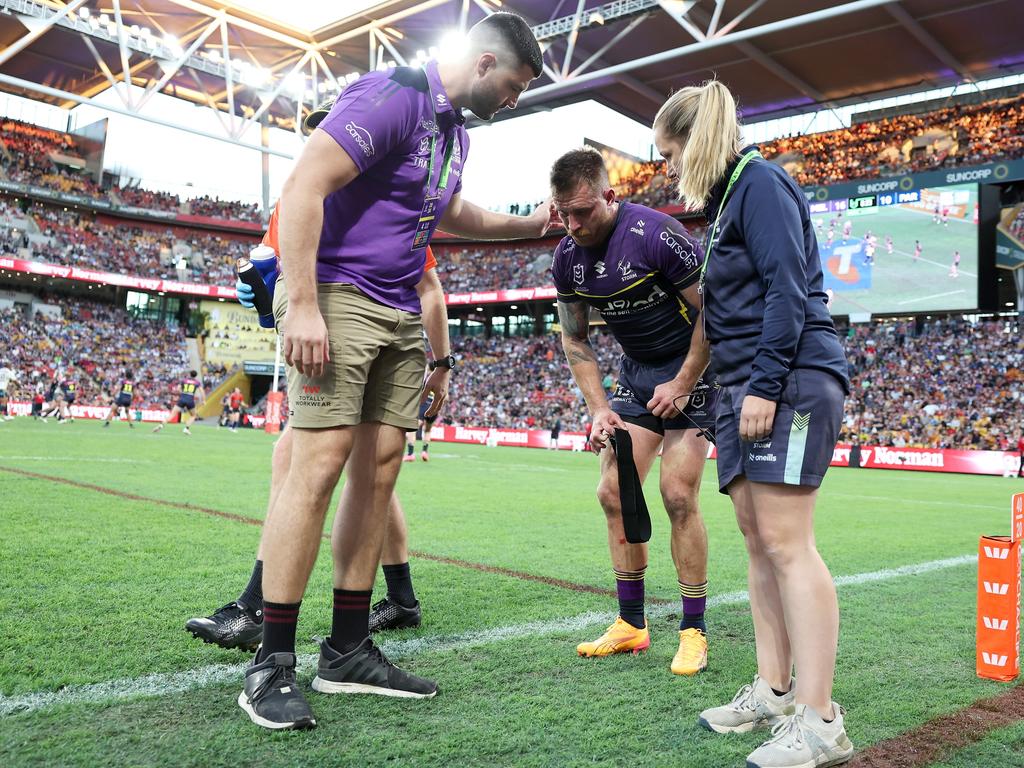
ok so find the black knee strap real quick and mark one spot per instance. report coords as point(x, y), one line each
point(636, 519)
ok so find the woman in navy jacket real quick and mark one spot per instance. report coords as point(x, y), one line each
point(784, 377)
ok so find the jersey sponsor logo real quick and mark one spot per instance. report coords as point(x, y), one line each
point(618, 306)
point(429, 125)
point(769, 457)
point(361, 136)
point(442, 101)
point(600, 269)
point(638, 228)
point(680, 246)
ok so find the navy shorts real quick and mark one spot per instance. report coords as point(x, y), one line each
point(69, 399)
point(123, 401)
point(187, 403)
point(804, 433)
point(635, 388)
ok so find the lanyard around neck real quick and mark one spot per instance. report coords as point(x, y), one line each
point(709, 244)
point(446, 163)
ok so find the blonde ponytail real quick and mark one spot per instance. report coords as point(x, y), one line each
point(704, 119)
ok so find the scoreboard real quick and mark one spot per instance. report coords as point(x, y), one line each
point(864, 204)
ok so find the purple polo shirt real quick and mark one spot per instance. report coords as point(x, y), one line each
point(384, 121)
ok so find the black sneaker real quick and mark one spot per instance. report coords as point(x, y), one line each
point(232, 626)
point(272, 699)
point(366, 670)
point(387, 614)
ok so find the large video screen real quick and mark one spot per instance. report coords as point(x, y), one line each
point(901, 251)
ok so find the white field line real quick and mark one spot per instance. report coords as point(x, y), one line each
point(925, 502)
point(91, 459)
point(933, 296)
point(181, 682)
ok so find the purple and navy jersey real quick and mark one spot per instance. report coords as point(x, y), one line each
point(127, 387)
point(69, 387)
point(377, 227)
point(634, 281)
point(188, 387)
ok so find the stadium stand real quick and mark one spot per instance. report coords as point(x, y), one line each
point(95, 343)
point(945, 383)
point(948, 384)
point(77, 238)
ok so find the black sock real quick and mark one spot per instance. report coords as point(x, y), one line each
point(399, 582)
point(252, 595)
point(351, 622)
point(426, 447)
point(410, 448)
point(279, 623)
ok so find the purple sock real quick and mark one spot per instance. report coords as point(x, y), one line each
point(695, 598)
point(629, 586)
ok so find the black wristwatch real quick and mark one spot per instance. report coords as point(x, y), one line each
point(443, 362)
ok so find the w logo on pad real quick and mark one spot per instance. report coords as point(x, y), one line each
point(993, 660)
point(997, 553)
point(996, 589)
point(995, 623)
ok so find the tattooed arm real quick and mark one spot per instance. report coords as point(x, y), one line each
point(574, 317)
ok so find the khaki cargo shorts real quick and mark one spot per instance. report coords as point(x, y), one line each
point(377, 363)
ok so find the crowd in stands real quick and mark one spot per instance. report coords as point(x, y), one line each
point(93, 344)
point(76, 238)
point(27, 155)
point(519, 382)
point(958, 135)
point(947, 384)
point(942, 383)
point(493, 267)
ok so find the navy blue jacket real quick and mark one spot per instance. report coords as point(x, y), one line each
point(764, 305)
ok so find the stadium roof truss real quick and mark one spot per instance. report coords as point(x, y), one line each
point(779, 56)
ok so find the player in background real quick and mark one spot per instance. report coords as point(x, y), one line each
point(69, 387)
point(650, 302)
point(236, 402)
point(123, 400)
point(8, 382)
point(422, 433)
point(847, 228)
point(190, 396)
point(945, 217)
point(917, 250)
point(831, 237)
point(954, 268)
point(556, 431)
point(935, 214)
point(38, 401)
point(888, 244)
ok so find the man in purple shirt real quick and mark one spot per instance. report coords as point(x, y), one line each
point(639, 269)
point(378, 176)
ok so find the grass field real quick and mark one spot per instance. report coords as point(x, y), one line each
point(896, 282)
point(96, 669)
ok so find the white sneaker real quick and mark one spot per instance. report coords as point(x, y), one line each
point(755, 706)
point(804, 740)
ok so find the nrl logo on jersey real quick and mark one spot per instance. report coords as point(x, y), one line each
point(638, 228)
point(577, 274)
